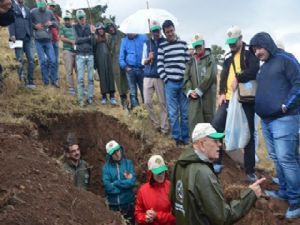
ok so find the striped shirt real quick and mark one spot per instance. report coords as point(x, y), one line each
point(171, 60)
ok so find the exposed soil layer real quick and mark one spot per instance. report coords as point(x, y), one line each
point(35, 190)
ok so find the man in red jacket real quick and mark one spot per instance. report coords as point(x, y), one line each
point(152, 203)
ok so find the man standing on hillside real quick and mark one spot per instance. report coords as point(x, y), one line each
point(130, 59)
point(43, 20)
point(118, 73)
point(240, 66)
point(200, 84)
point(67, 36)
point(22, 30)
point(171, 62)
point(277, 103)
point(152, 81)
point(84, 34)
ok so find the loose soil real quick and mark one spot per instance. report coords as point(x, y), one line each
point(35, 189)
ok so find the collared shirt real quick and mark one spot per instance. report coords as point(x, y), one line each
point(22, 8)
point(202, 156)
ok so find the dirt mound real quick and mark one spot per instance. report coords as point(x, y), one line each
point(35, 190)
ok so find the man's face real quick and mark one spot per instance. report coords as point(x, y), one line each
point(82, 20)
point(170, 33)
point(237, 46)
point(111, 30)
point(67, 22)
point(159, 178)
point(131, 36)
point(74, 153)
point(5, 5)
point(209, 147)
point(200, 49)
point(117, 156)
point(156, 34)
point(51, 7)
point(261, 53)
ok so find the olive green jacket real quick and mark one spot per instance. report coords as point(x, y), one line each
point(119, 75)
point(202, 77)
point(197, 197)
point(81, 173)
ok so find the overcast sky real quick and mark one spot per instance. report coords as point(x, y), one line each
point(212, 18)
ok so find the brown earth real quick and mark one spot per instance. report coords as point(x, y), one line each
point(35, 190)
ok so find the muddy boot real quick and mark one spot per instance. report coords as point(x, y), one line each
point(124, 102)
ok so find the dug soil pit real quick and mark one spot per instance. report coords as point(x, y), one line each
point(35, 189)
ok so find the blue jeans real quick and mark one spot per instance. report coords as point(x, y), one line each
point(281, 137)
point(46, 54)
point(27, 45)
point(81, 62)
point(135, 77)
point(56, 53)
point(177, 104)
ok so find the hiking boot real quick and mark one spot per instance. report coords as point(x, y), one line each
point(90, 101)
point(275, 194)
point(293, 212)
point(55, 84)
point(104, 101)
point(113, 101)
point(31, 86)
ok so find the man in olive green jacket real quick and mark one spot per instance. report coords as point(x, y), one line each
point(200, 84)
point(196, 194)
point(119, 74)
point(78, 168)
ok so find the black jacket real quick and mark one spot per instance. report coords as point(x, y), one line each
point(83, 39)
point(249, 66)
point(22, 27)
point(8, 17)
point(278, 81)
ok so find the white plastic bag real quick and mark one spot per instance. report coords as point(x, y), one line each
point(237, 134)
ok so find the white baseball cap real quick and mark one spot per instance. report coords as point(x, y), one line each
point(233, 34)
point(157, 164)
point(202, 130)
point(112, 147)
point(197, 40)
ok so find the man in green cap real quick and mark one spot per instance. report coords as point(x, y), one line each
point(196, 193)
point(200, 84)
point(119, 74)
point(67, 36)
point(240, 66)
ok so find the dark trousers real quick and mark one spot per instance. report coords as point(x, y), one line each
point(127, 210)
point(219, 122)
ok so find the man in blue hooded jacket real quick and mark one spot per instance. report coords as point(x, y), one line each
point(118, 177)
point(276, 102)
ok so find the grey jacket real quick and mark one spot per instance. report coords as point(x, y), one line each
point(43, 17)
point(22, 27)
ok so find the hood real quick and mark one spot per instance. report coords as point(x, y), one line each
point(188, 157)
point(264, 40)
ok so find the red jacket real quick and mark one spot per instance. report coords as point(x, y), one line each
point(154, 197)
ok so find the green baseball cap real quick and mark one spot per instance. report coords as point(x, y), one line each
point(156, 164)
point(233, 33)
point(112, 147)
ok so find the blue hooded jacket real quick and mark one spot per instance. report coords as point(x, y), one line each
point(118, 189)
point(278, 80)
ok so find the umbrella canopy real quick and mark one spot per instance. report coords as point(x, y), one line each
point(82, 4)
point(138, 22)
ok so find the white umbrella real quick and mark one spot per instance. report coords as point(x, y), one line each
point(138, 22)
point(82, 4)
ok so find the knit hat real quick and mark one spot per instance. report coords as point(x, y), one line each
point(112, 147)
point(233, 34)
point(156, 164)
point(67, 16)
point(202, 130)
point(80, 13)
point(197, 40)
point(154, 25)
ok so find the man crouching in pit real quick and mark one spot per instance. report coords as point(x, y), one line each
point(78, 168)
